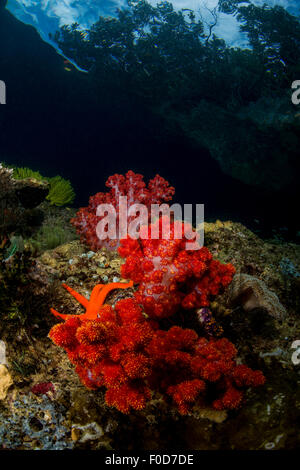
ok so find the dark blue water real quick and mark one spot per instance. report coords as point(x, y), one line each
point(56, 123)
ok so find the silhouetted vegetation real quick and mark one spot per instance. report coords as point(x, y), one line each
point(224, 98)
point(166, 55)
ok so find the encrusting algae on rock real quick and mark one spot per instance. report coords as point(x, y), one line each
point(201, 428)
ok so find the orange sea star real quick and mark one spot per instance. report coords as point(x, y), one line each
point(96, 300)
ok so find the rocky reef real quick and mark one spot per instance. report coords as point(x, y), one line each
point(18, 198)
point(44, 405)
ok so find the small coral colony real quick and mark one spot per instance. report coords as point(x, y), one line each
point(129, 348)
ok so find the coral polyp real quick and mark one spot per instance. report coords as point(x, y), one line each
point(131, 186)
point(169, 275)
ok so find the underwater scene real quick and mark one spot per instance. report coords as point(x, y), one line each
point(149, 227)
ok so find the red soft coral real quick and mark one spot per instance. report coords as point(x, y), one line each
point(130, 356)
point(130, 185)
point(186, 393)
point(127, 397)
point(169, 275)
point(183, 364)
point(109, 351)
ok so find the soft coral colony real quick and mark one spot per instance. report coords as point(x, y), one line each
point(169, 275)
point(131, 357)
point(125, 350)
point(134, 188)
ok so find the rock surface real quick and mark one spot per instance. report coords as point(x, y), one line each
point(3, 360)
point(251, 293)
point(17, 199)
point(31, 192)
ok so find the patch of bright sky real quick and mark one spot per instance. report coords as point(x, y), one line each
point(48, 15)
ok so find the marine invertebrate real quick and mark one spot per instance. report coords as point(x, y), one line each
point(131, 357)
point(96, 300)
point(107, 350)
point(134, 188)
point(61, 191)
point(124, 350)
point(189, 366)
point(169, 275)
point(21, 173)
point(251, 293)
point(209, 323)
point(42, 388)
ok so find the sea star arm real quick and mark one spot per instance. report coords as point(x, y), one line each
point(95, 293)
point(101, 295)
point(81, 299)
point(94, 305)
point(98, 297)
point(60, 315)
